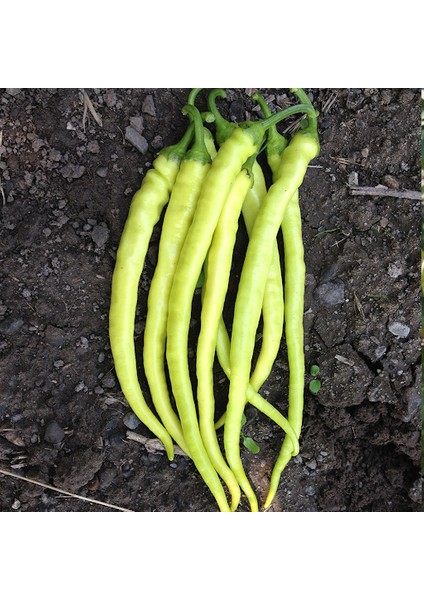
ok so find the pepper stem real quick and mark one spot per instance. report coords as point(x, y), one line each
point(258, 128)
point(178, 151)
point(198, 151)
point(223, 127)
point(277, 143)
point(193, 95)
point(312, 118)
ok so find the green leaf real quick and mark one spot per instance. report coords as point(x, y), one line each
point(243, 420)
point(251, 445)
point(315, 386)
point(314, 370)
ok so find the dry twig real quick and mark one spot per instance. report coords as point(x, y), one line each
point(381, 190)
point(89, 106)
point(60, 491)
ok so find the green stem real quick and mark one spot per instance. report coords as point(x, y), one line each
point(312, 118)
point(277, 143)
point(258, 128)
point(193, 95)
point(198, 150)
point(178, 151)
point(223, 127)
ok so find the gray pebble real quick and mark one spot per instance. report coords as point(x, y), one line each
point(80, 387)
point(137, 123)
point(71, 171)
point(311, 464)
point(110, 98)
point(398, 329)
point(157, 142)
point(54, 433)
point(108, 381)
point(93, 147)
point(330, 293)
point(13, 91)
point(100, 235)
point(11, 326)
point(102, 171)
point(131, 421)
point(138, 141)
point(310, 490)
point(411, 405)
point(394, 271)
point(149, 106)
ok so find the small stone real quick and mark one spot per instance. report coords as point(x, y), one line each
point(93, 147)
point(330, 293)
point(102, 171)
point(110, 98)
point(394, 271)
point(400, 330)
point(54, 433)
point(13, 91)
point(390, 182)
point(37, 144)
point(11, 326)
point(353, 178)
point(58, 363)
point(157, 142)
point(55, 155)
point(71, 171)
point(16, 504)
point(137, 123)
point(131, 421)
point(108, 381)
point(310, 490)
point(80, 386)
point(149, 106)
point(100, 235)
point(311, 464)
point(135, 139)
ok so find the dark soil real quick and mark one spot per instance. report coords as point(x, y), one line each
point(66, 183)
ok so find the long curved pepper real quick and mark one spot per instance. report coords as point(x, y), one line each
point(177, 220)
point(145, 210)
point(294, 267)
point(303, 147)
point(217, 273)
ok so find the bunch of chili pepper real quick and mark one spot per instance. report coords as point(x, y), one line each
point(207, 182)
